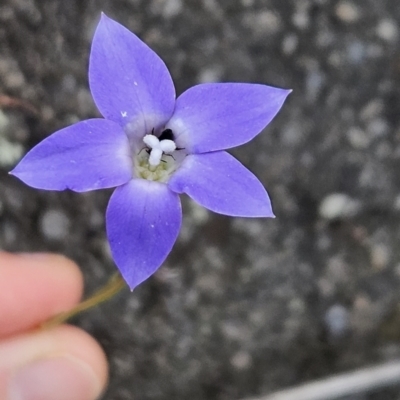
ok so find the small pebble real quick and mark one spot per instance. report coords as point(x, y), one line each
point(337, 320)
point(54, 225)
point(10, 153)
point(347, 12)
point(172, 8)
point(387, 30)
point(338, 205)
point(241, 360)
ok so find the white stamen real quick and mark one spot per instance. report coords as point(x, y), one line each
point(158, 148)
point(151, 141)
point(167, 146)
point(155, 157)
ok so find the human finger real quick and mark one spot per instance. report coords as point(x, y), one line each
point(35, 287)
point(63, 363)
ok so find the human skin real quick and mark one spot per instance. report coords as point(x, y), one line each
point(56, 364)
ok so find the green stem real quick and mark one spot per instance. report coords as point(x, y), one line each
point(109, 290)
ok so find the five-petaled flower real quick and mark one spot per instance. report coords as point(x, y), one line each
point(153, 147)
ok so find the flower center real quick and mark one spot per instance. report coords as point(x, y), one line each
point(157, 147)
point(160, 157)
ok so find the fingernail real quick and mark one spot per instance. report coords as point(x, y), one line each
point(61, 378)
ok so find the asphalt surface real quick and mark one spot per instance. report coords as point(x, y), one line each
point(241, 307)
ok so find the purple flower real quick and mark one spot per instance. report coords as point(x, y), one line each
point(153, 147)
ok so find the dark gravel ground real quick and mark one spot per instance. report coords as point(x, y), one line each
point(241, 307)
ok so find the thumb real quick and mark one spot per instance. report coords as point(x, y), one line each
point(64, 363)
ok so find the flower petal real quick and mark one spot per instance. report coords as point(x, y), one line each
point(130, 84)
point(218, 116)
point(92, 154)
point(143, 221)
point(222, 184)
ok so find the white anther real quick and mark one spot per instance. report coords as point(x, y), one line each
point(167, 146)
point(158, 148)
point(151, 141)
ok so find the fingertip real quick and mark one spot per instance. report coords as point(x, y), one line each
point(80, 345)
point(35, 287)
point(66, 353)
point(45, 261)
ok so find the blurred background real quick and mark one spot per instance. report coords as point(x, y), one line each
point(242, 307)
